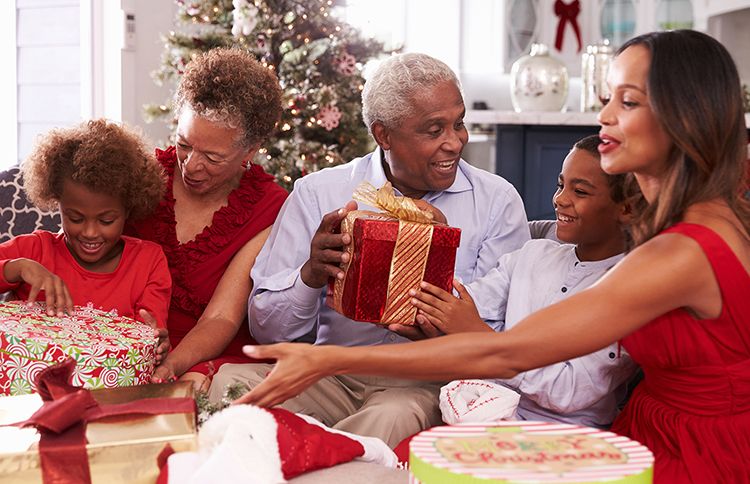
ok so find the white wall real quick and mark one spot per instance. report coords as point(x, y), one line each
point(48, 68)
point(152, 19)
point(732, 29)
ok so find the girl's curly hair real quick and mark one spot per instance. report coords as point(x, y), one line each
point(230, 87)
point(101, 155)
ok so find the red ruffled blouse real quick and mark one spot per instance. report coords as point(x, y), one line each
point(198, 265)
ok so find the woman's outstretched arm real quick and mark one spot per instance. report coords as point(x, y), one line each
point(666, 273)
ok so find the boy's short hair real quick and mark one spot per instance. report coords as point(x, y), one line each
point(103, 156)
point(619, 186)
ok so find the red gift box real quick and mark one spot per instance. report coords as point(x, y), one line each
point(388, 258)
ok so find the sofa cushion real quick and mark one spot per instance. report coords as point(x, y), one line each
point(17, 215)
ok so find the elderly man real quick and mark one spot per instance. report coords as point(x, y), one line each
point(414, 109)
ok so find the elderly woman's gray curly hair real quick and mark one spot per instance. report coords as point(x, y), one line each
point(389, 95)
point(228, 86)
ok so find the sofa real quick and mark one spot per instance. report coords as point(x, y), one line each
point(17, 215)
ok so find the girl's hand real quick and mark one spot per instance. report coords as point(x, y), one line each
point(446, 312)
point(297, 367)
point(163, 347)
point(58, 298)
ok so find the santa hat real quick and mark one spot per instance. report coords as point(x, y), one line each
point(248, 444)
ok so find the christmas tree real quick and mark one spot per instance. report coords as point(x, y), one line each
point(317, 57)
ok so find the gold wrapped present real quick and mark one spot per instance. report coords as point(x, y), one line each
point(120, 448)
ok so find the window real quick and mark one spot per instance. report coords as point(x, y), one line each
point(8, 85)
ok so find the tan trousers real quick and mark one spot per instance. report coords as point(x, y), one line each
point(387, 408)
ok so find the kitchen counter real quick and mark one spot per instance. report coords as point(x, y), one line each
point(549, 118)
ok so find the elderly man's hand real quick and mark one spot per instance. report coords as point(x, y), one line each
point(326, 249)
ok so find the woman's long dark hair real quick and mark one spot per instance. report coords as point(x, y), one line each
point(695, 93)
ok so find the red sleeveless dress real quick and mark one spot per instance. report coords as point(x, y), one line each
point(197, 266)
point(692, 408)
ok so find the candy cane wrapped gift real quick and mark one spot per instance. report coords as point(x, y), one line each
point(391, 252)
point(109, 350)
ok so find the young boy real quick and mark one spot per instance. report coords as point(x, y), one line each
point(591, 209)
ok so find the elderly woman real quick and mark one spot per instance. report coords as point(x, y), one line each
point(218, 208)
point(414, 109)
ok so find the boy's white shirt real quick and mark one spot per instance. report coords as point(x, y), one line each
point(584, 390)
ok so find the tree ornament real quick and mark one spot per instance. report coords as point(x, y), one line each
point(193, 9)
point(245, 17)
point(329, 117)
point(345, 63)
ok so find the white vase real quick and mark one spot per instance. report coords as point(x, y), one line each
point(538, 82)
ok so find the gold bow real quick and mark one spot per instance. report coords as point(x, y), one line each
point(403, 208)
point(410, 253)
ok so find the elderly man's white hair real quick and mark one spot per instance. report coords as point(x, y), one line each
point(388, 96)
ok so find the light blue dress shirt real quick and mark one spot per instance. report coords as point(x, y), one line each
point(486, 208)
point(584, 390)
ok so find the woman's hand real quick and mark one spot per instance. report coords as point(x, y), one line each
point(164, 373)
point(297, 367)
point(58, 298)
point(326, 250)
point(446, 312)
point(199, 380)
point(163, 347)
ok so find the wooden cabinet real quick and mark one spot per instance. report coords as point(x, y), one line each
point(530, 157)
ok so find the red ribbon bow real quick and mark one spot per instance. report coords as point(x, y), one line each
point(567, 13)
point(62, 420)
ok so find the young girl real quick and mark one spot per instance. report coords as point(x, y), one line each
point(592, 209)
point(98, 174)
point(678, 300)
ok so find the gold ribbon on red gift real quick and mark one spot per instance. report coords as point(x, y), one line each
point(62, 419)
point(409, 255)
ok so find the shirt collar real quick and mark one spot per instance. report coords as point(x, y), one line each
point(593, 265)
point(376, 176)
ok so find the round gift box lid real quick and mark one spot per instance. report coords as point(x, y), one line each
point(526, 452)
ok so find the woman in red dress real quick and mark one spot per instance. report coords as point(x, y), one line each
point(679, 301)
point(217, 211)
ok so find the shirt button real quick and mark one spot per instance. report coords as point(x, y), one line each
point(612, 355)
point(564, 289)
